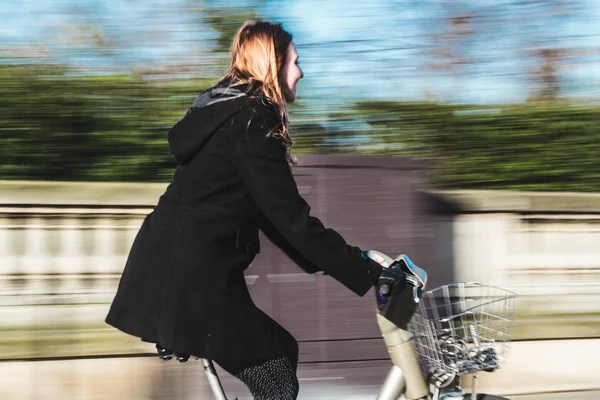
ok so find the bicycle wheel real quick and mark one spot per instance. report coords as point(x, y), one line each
point(484, 396)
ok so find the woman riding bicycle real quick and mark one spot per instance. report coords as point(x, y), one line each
point(183, 286)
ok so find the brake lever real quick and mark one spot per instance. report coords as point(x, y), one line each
point(416, 286)
point(416, 276)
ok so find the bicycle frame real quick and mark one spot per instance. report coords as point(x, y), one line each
point(213, 379)
point(405, 376)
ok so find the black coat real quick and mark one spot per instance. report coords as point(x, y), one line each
point(183, 285)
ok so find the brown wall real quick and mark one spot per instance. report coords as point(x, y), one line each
point(375, 203)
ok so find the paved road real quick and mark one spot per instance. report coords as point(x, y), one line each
point(584, 395)
point(360, 381)
point(149, 378)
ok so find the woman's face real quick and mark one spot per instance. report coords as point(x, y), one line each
point(290, 74)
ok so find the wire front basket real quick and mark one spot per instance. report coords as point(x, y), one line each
point(462, 328)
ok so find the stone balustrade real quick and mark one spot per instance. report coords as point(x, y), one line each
point(64, 245)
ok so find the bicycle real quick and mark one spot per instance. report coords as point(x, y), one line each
point(433, 338)
point(445, 333)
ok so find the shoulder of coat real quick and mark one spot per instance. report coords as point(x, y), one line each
point(262, 106)
point(260, 114)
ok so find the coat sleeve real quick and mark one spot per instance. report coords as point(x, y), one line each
point(274, 236)
point(261, 163)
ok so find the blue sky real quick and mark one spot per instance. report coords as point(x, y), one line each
point(348, 48)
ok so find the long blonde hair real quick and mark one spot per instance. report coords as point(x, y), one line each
point(258, 53)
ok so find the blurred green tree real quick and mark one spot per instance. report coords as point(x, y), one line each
point(112, 127)
point(56, 125)
point(548, 146)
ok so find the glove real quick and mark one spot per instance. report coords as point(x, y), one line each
point(392, 279)
point(391, 275)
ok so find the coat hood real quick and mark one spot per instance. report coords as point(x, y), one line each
point(209, 111)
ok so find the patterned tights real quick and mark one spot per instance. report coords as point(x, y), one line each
point(274, 379)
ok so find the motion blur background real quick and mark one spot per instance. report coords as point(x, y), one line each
point(464, 133)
